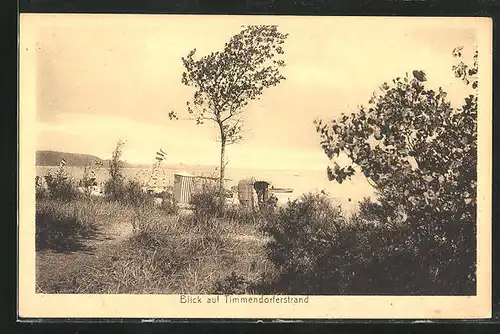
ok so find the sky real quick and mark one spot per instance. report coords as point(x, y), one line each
point(101, 78)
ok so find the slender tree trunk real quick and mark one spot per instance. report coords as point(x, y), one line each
point(222, 168)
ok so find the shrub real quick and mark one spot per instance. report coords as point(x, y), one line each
point(169, 204)
point(421, 255)
point(317, 251)
point(60, 185)
point(206, 202)
point(206, 207)
point(114, 187)
point(118, 189)
point(113, 190)
point(132, 194)
point(307, 248)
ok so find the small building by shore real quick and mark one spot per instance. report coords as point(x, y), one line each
point(183, 187)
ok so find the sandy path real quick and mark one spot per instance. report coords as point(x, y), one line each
point(250, 238)
point(120, 230)
point(111, 234)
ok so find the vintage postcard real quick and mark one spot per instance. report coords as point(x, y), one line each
point(263, 167)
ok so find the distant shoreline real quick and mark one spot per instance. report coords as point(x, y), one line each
point(204, 167)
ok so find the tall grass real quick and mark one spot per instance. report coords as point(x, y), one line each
point(201, 251)
point(66, 225)
point(62, 226)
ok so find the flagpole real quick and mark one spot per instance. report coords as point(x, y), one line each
point(151, 175)
point(160, 156)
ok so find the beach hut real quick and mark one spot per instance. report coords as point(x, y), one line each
point(183, 187)
point(262, 189)
point(246, 193)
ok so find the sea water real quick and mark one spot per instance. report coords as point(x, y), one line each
point(301, 181)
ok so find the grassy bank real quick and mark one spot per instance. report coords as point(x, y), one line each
point(99, 246)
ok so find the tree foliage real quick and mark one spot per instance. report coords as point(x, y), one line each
point(227, 80)
point(467, 73)
point(420, 154)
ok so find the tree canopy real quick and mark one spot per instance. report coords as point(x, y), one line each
point(420, 154)
point(412, 146)
point(227, 80)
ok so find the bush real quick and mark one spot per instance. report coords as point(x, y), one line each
point(60, 185)
point(206, 203)
point(114, 187)
point(169, 204)
point(317, 251)
point(307, 248)
point(117, 188)
point(132, 194)
point(423, 254)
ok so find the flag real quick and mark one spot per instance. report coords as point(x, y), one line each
point(63, 162)
point(160, 155)
point(419, 75)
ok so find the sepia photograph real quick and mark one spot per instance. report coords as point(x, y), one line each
point(237, 166)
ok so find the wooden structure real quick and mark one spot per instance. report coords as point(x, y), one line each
point(247, 195)
point(262, 190)
point(183, 187)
